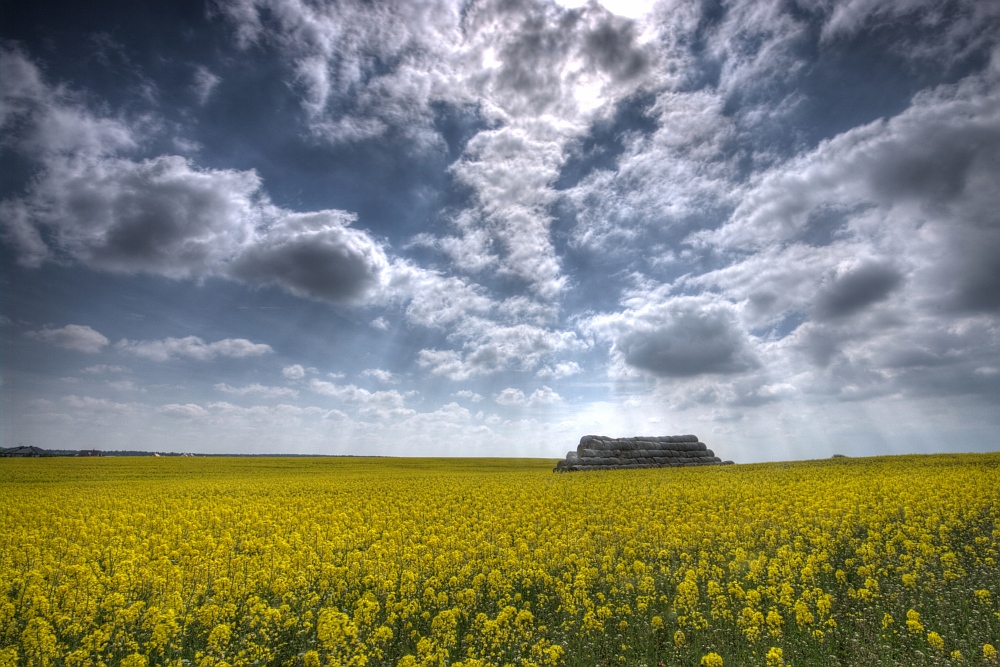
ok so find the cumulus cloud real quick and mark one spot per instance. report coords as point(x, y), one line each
point(538, 74)
point(193, 347)
point(856, 288)
point(436, 300)
point(515, 397)
point(377, 404)
point(294, 372)
point(80, 338)
point(154, 216)
point(315, 255)
point(679, 336)
point(380, 374)
point(257, 389)
point(183, 411)
point(510, 396)
point(165, 215)
point(468, 395)
point(41, 120)
point(560, 370)
point(490, 347)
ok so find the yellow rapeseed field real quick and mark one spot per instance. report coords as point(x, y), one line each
point(236, 561)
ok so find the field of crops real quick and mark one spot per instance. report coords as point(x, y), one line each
point(238, 561)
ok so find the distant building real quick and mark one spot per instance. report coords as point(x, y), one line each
point(22, 452)
point(89, 452)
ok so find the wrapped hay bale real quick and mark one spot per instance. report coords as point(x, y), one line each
point(598, 452)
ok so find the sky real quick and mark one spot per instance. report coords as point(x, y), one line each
point(488, 228)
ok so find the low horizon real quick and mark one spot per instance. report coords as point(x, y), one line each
point(483, 228)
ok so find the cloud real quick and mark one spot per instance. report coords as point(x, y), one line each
point(193, 347)
point(185, 411)
point(126, 385)
point(314, 255)
point(490, 347)
point(378, 404)
point(167, 216)
point(468, 395)
point(681, 336)
point(510, 396)
point(80, 338)
point(561, 370)
point(950, 31)
point(436, 300)
point(515, 397)
point(160, 216)
point(204, 83)
point(40, 120)
point(257, 389)
point(855, 289)
point(98, 369)
point(382, 375)
point(293, 372)
point(538, 75)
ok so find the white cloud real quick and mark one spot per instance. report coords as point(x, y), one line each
point(185, 411)
point(544, 396)
point(510, 396)
point(515, 397)
point(436, 300)
point(491, 347)
point(561, 370)
point(204, 83)
point(257, 389)
point(193, 347)
point(80, 338)
point(98, 369)
point(468, 395)
point(293, 372)
point(380, 374)
point(49, 121)
point(539, 75)
point(379, 404)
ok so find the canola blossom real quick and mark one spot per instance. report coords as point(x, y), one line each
point(227, 562)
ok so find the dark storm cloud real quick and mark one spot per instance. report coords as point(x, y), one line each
point(314, 255)
point(156, 216)
point(678, 337)
point(856, 289)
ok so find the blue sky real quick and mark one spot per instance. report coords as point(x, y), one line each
point(489, 228)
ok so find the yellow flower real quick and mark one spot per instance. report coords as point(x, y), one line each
point(711, 660)
point(679, 638)
point(774, 657)
point(989, 652)
point(913, 622)
point(935, 640)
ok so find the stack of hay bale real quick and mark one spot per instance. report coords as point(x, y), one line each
point(598, 452)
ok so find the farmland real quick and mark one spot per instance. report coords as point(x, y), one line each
point(475, 562)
